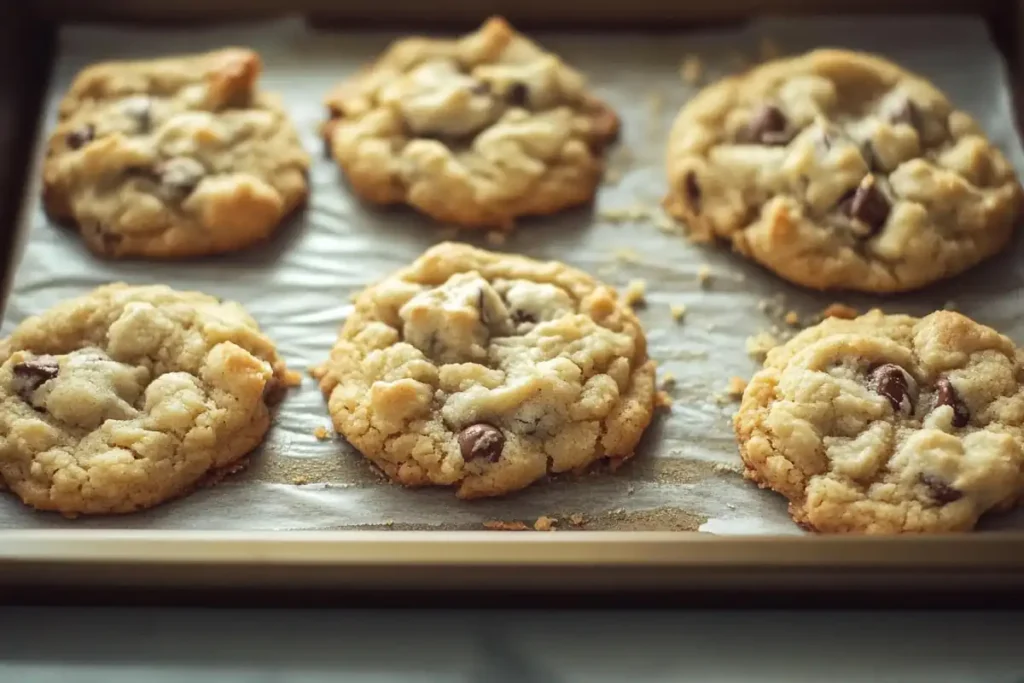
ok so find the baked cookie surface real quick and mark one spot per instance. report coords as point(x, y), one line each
point(128, 396)
point(474, 131)
point(173, 157)
point(841, 170)
point(487, 372)
point(888, 424)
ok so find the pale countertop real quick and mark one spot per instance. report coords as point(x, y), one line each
point(158, 645)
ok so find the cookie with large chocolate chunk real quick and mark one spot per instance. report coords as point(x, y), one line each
point(487, 372)
point(841, 170)
point(128, 396)
point(173, 157)
point(474, 131)
point(888, 424)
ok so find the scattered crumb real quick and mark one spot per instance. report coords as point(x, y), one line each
point(292, 378)
point(635, 292)
point(664, 222)
point(760, 344)
point(624, 214)
point(837, 310)
point(496, 238)
point(736, 387)
point(627, 256)
point(498, 525)
point(668, 380)
point(577, 519)
point(662, 401)
point(544, 523)
point(792, 318)
point(769, 49)
point(630, 490)
point(704, 275)
point(691, 70)
point(950, 306)
point(321, 433)
point(299, 480)
point(389, 522)
point(678, 311)
point(723, 468)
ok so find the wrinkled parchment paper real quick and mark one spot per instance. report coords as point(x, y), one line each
point(685, 475)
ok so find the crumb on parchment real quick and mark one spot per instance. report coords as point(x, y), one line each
point(627, 256)
point(626, 214)
point(736, 387)
point(725, 468)
point(704, 275)
point(292, 378)
point(299, 480)
point(662, 401)
point(668, 381)
point(792, 318)
point(498, 525)
point(545, 523)
point(678, 311)
point(691, 70)
point(635, 293)
point(577, 519)
point(838, 310)
point(760, 344)
point(322, 433)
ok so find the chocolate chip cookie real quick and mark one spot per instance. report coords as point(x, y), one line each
point(173, 157)
point(840, 170)
point(128, 396)
point(487, 372)
point(474, 131)
point(888, 424)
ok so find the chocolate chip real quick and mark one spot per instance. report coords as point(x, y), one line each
point(867, 150)
point(767, 126)
point(869, 204)
point(481, 441)
point(523, 317)
point(517, 95)
point(948, 396)
point(32, 374)
point(693, 191)
point(890, 381)
point(907, 113)
point(77, 139)
point(180, 176)
point(940, 491)
point(480, 306)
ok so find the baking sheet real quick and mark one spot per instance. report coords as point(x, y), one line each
point(298, 286)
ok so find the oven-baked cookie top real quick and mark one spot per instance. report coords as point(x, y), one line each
point(888, 424)
point(173, 157)
point(487, 372)
point(128, 396)
point(474, 131)
point(840, 170)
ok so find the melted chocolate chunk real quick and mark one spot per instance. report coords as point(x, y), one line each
point(518, 95)
point(32, 374)
point(869, 205)
point(693, 192)
point(77, 139)
point(890, 381)
point(948, 396)
point(768, 126)
point(521, 317)
point(180, 176)
point(141, 110)
point(481, 441)
point(940, 491)
point(907, 113)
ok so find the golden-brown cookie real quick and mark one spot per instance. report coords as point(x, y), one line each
point(841, 170)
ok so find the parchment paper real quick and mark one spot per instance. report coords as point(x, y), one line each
point(298, 286)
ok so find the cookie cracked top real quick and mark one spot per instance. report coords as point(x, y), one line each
point(488, 371)
point(128, 396)
point(888, 423)
point(840, 170)
point(173, 157)
point(474, 131)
